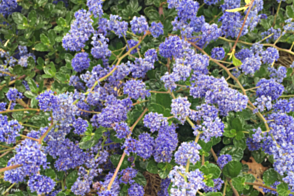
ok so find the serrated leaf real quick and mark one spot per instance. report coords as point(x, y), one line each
point(270, 176)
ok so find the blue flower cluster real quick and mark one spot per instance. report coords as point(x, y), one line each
point(223, 160)
point(80, 31)
point(187, 151)
point(181, 186)
point(13, 94)
point(80, 62)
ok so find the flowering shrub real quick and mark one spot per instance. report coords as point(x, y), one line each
point(95, 93)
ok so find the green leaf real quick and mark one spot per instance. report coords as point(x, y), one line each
point(151, 13)
point(282, 189)
point(61, 77)
point(154, 107)
point(41, 47)
point(68, 57)
point(61, 194)
point(71, 178)
point(32, 17)
point(236, 124)
point(163, 99)
point(152, 166)
point(209, 183)
point(30, 95)
point(205, 146)
point(232, 169)
point(44, 39)
point(32, 85)
point(211, 169)
point(290, 11)
point(140, 179)
point(50, 173)
point(115, 159)
point(235, 152)
point(230, 133)
point(239, 183)
point(270, 176)
point(61, 22)
point(18, 17)
point(41, 3)
point(214, 194)
point(94, 139)
point(236, 61)
point(51, 36)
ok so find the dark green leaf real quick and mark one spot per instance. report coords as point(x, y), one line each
point(18, 17)
point(232, 169)
point(270, 176)
point(239, 183)
point(154, 107)
point(50, 173)
point(71, 178)
point(211, 169)
point(205, 146)
point(140, 179)
point(32, 17)
point(163, 99)
point(290, 11)
point(152, 166)
point(235, 152)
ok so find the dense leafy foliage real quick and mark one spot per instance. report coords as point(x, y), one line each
point(96, 93)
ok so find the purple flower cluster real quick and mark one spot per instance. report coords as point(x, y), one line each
point(41, 184)
point(95, 7)
point(263, 103)
point(218, 53)
point(132, 43)
point(7, 7)
point(9, 130)
point(218, 183)
point(223, 160)
point(80, 62)
point(28, 154)
point(190, 185)
point(145, 146)
point(250, 65)
point(284, 106)
point(187, 151)
point(165, 143)
point(80, 126)
point(13, 94)
point(269, 88)
point(100, 48)
point(139, 24)
point(180, 108)
point(122, 130)
point(154, 121)
point(217, 91)
point(80, 31)
point(156, 29)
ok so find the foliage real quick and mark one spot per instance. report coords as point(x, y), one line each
point(95, 93)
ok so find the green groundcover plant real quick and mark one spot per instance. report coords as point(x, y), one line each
point(95, 93)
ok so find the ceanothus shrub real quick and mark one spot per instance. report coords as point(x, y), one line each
point(183, 90)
